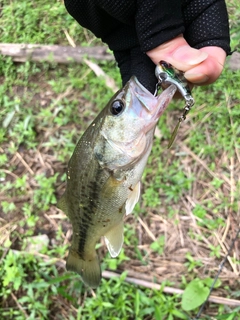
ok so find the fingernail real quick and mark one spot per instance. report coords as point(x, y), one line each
point(196, 77)
point(189, 55)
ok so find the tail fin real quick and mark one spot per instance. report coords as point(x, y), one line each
point(89, 270)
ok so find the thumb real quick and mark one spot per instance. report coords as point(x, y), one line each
point(178, 53)
point(201, 66)
point(183, 57)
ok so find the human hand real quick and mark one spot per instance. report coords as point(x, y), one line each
point(162, 30)
point(201, 67)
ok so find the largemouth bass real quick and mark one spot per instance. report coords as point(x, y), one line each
point(104, 172)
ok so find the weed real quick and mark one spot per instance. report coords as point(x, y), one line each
point(192, 263)
point(158, 246)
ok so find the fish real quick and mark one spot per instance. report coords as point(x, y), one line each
point(104, 173)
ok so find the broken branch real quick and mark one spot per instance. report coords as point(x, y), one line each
point(53, 53)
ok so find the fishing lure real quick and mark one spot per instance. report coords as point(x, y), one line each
point(167, 74)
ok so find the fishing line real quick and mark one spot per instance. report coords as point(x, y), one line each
point(217, 275)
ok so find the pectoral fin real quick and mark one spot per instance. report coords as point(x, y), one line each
point(133, 199)
point(114, 240)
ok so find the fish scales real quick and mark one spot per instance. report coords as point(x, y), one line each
point(104, 172)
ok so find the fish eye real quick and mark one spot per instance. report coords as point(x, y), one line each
point(117, 107)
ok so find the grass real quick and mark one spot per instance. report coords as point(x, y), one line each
point(186, 219)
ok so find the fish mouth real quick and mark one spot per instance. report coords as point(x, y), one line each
point(153, 106)
point(141, 86)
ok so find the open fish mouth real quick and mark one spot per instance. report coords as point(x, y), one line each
point(152, 106)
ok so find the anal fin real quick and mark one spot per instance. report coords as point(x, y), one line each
point(114, 240)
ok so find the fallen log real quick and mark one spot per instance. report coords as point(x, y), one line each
point(21, 52)
point(53, 53)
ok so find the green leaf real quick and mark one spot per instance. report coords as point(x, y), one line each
point(7, 243)
point(137, 302)
point(227, 316)
point(157, 313)
point(17, 282)
point(194, 295)
point(209, 281)
point(179, 314)
point(107, 304)
point(8, 119)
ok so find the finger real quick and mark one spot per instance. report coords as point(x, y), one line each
point(210, 69)
point(178, 53)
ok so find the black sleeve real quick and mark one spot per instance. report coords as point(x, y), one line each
point(158, 22)
point(124, 24)
point(112, 21)
point(206, 24)
point(132, 27)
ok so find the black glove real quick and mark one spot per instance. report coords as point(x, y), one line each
point(132, 27)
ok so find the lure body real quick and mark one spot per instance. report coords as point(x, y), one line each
point(167, 74)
